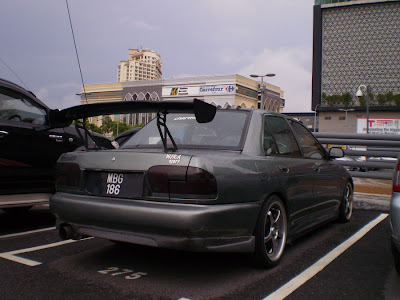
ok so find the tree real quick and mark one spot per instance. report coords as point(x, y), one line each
point(389, 97)
point(107, 125)
point(362, 100)
point(381, 98)
point(120, 128)
point(347, 98)
point(397, 99)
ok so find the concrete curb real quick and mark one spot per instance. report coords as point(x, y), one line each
point(372, 201)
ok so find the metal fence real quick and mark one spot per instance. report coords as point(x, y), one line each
point(366, 155)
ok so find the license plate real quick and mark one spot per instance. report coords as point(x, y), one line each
point(113, 184)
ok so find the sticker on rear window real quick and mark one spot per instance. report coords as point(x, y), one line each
point(184, 118)
point(173, 159)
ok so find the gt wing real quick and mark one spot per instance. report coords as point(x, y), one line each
point(203, 111)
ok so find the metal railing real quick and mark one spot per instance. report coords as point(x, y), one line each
point(366, 155)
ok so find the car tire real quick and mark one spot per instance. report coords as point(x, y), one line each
point(270, 233)
point(347, 204)
point(396, 258)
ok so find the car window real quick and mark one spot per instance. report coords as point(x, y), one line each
point(16, 107)
point(226, 130)
point(309, 144)
point(269, 143)
point(282, 136)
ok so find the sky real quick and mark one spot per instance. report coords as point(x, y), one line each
point(202, 37)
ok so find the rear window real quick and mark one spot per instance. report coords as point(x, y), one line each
point(225, 131)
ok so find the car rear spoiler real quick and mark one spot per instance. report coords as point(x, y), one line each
point(203, 111)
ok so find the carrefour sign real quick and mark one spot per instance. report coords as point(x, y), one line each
point(217, 89)
point(198, 90)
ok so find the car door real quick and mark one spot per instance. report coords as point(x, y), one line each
point(28, 150)
point(328, 181)
point(295, 174)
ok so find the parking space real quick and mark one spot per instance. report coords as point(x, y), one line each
point(96, 267)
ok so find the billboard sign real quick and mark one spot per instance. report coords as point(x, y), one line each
point(379, 126)
point(198, 90)
point(217, 89)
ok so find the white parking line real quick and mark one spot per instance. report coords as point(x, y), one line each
point(12, 254)
point(307, 274)
point(26, 232)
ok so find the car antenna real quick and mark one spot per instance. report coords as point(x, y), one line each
point(87, 133)
point(16, 75)
point(76, 51)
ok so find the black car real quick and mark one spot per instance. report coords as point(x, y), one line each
point(30, 144)
point(126, 135)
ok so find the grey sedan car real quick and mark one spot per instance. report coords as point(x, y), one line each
point(237, 180)
point(395, 217)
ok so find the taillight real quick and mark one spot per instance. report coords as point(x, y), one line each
point(179, 180)
point(68, 175)
point(396, 179)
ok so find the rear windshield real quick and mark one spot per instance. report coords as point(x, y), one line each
point(225, 131)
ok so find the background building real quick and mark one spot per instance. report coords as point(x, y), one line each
point(103, 92)
point(355, 43)
point(222, 90)
point(141, 65)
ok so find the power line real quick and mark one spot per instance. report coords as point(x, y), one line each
point(14, 74)
point(76, 51)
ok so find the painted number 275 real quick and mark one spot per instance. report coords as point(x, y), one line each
point(115, 271)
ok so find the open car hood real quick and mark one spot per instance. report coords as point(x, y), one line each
point(203, 111)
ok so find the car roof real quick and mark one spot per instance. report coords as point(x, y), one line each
point(13, 86)
point(256, 110)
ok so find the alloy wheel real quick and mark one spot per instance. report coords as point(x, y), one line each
point(348, 201)
point(275, 231)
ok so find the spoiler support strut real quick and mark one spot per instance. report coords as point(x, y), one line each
point(164, 131)
point(87, 134)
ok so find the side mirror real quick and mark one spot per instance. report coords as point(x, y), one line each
point(336, 152)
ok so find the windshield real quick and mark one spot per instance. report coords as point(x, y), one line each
point(18, 107)
point(225, 131)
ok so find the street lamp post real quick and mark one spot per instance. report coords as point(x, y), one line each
point(315, 116)
point(262, 86)
point(359, 94)
point(346, 110)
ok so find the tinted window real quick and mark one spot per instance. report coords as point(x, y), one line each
point(18, 108)
point(226, 130)
point(269, 143)
point(282, 135)
point(310, 146)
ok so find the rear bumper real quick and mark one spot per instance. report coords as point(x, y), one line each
point(217, 228)
point(20, 200)
point(395, 219)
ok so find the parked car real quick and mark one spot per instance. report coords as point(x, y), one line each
point(241, 181)
point(351, 160)
point(395, 217)
point(126, 135)
point(30, 144)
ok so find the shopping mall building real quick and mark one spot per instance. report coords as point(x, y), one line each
point(230, 90)
point(356, 45)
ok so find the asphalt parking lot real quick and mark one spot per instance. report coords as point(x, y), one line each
point(336, 261)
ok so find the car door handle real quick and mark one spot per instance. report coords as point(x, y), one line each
point(3, 134)
point(284, 169)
